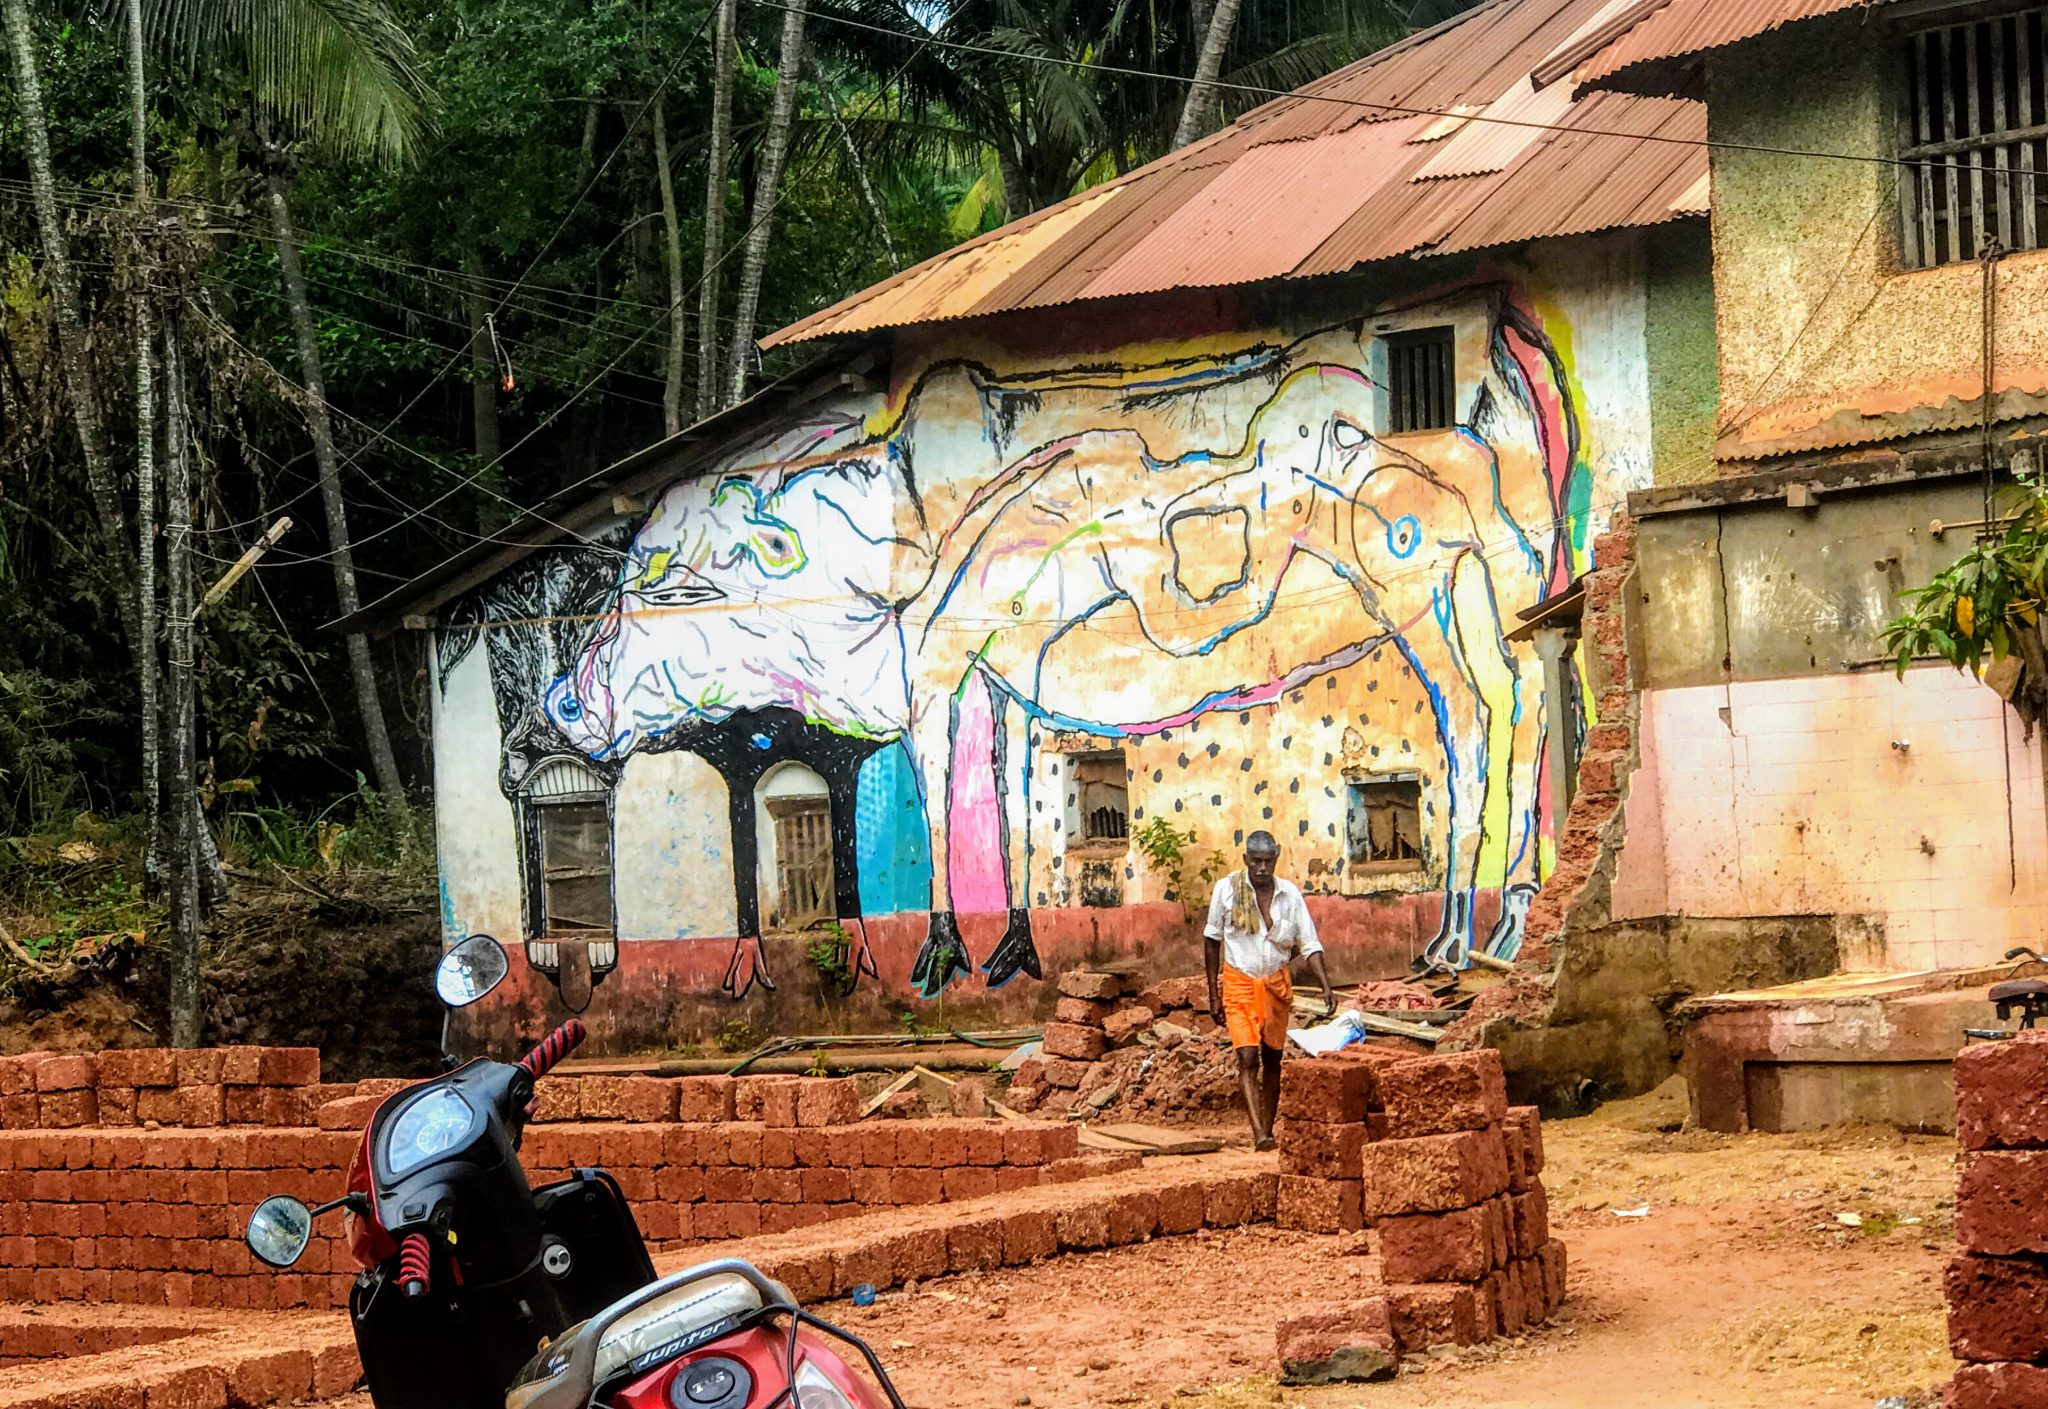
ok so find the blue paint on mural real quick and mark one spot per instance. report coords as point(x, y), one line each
point(889, 830)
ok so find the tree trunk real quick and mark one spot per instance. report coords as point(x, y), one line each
point(768, 186)
point(1016, 190)
point(86, 401)
point(186, 1001)
point(715, 180)
point(864, 185)
point(145, 470)
point(1198, 116)
point(383, 762)
point(678, 316)
point(483, 389)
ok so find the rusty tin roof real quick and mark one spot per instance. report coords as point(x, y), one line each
point(1640, 47)
point(1442, 144)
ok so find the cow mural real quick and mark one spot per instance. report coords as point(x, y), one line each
point(1228, 531)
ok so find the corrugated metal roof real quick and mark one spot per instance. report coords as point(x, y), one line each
point(1353, 168)
point(1674, 29)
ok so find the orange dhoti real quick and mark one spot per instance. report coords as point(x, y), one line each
point(1257, 1010)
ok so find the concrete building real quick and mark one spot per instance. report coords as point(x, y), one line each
point(1264, 488)
point(1207, 501)
point(1784, 770)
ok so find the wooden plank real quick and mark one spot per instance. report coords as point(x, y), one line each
point(1973, 116)
point(887, 1091)
point(2001, 179)
point(1155, 1139)
point(1394, 1027)
point(1946, 40)
point(2027, 116)
point(1922, 174)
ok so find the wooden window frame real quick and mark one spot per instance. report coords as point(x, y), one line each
point(1951, 203)
point(790, 808)
point(540, 937)
point(1432, 405)
point(1079, 840)
point(1357, 794)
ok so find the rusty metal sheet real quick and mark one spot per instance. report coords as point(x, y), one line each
point(1326, 179)
point(1675, 29)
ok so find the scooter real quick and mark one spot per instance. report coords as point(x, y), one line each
point(479, 1292)
point(2026, 997)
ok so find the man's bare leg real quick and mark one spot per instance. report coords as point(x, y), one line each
point(1269, 1083)
point(1251, 1080)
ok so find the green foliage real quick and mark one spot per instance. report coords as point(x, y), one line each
point(1988, 604)
point(736, 1036)
point(829, 950)
point(1167, 852)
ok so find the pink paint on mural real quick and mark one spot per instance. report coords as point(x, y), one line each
point(973, 814)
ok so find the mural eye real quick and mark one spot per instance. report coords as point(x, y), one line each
point(1347, 436)
point(1403, 535)
point(1304, 432)
point(570, 708)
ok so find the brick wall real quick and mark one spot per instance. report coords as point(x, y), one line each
point(142, 1215)
point(1997, 1283)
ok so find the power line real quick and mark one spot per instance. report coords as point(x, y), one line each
point(1307, 95)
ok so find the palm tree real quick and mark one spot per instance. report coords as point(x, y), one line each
point(767, 189)
point(1032, 83)
point(338, 73)
point(87, 403)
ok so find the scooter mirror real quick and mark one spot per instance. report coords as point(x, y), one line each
point(279, 1230)
point(470, 970)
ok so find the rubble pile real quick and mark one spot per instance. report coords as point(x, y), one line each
point(1111, 1051)
point(1426, 1153)
point(1997, 1283)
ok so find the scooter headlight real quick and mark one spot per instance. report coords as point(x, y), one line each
point(815, 1390)
point(428, 1128)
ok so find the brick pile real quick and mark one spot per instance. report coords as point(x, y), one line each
point(1100, 1035)
point(268, 1086)
point(155, 1217)
point(1997, 1283)
point(1426, 1153)
point(218, 1361)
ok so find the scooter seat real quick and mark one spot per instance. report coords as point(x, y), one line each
point(2017, 989)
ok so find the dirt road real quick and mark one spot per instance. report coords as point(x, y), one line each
point(1740, 1286)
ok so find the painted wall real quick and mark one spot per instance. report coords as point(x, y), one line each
point(1824, 339)
point(1191, 539)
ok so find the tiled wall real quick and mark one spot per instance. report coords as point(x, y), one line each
point(1787, 797)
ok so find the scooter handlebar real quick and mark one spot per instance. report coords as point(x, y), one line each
point(555, 1046)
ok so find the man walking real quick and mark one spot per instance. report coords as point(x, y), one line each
point(1259, 925)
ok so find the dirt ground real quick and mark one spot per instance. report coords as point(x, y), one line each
point(1740, 1284)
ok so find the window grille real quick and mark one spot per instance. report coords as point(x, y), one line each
point(1383, 823)
point(1974, 135)
point(1421, 380)
point(803, 861)
point(567, 815)
point(1102, 797)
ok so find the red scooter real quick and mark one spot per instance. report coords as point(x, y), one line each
point(479, 1292)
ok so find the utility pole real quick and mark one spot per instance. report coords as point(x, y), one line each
point(187, 1007)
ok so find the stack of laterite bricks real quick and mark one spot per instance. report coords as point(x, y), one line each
point(211, 1087)
point(1427, 1154)
point(1998, 1282)
point(1079, 1034)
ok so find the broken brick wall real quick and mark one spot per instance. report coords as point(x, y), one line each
point(1997, 1283)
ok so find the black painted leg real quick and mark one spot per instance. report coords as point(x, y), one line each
point(1015, 953)
point(943, 958)
point(749, 966)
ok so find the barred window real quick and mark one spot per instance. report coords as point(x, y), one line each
point(1383, 823)
point(1974, 139)
point(1421, 380)
point(566, 812)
